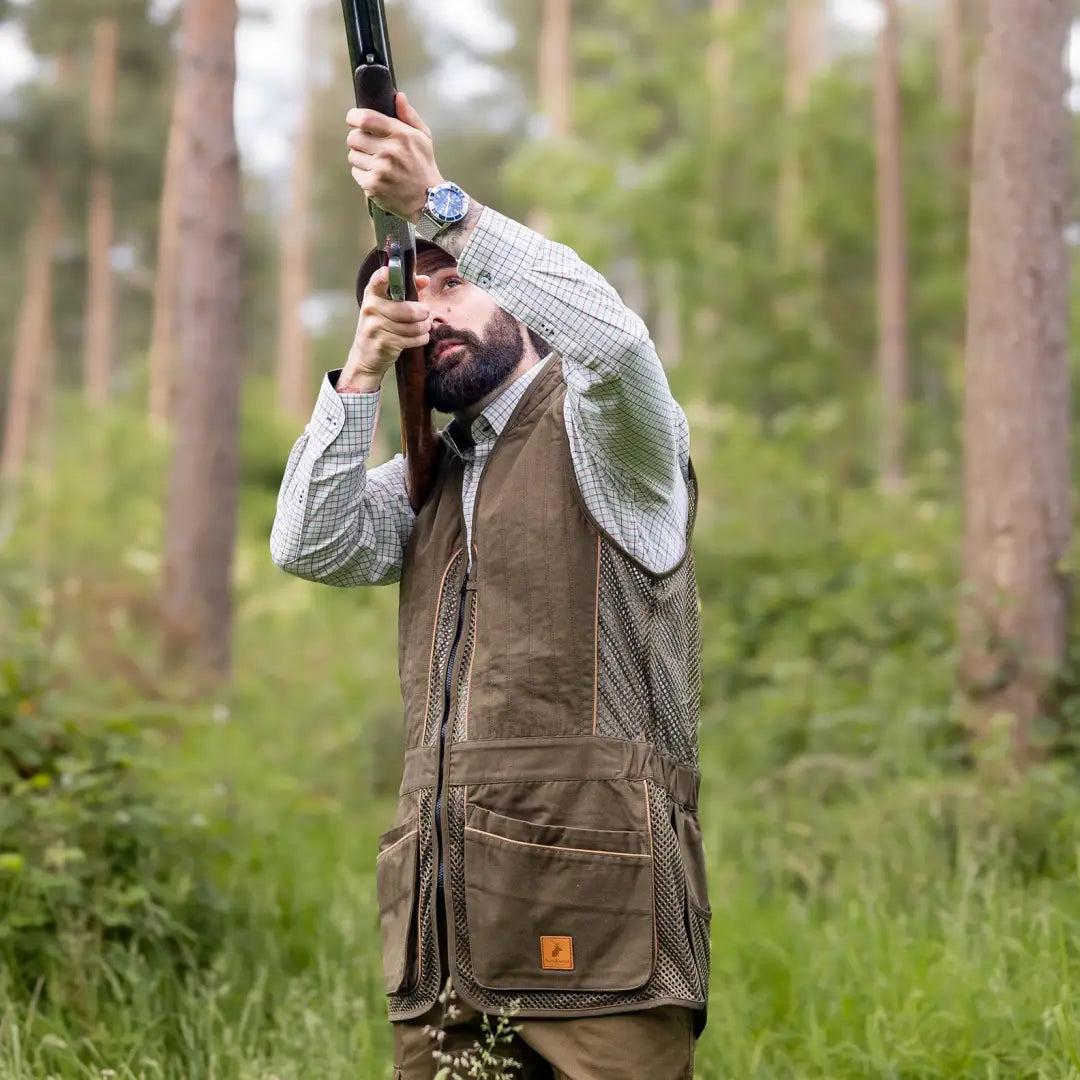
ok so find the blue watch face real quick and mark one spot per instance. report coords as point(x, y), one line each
point(447, 203)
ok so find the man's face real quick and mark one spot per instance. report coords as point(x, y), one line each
point(475, 346)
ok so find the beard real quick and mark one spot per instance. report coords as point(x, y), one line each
point(480, 366)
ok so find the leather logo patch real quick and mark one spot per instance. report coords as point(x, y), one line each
point(557, 953)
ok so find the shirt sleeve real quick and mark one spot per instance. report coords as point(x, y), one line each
point(338, 522)
point(628, 435)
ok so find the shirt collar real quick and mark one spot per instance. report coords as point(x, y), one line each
point(496, 413)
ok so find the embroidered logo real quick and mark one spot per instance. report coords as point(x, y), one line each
point(557, 953)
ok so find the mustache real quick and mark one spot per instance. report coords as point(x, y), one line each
point(448, 333)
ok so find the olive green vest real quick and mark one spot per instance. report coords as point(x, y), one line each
point(551, 770)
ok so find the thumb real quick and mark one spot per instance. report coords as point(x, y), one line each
point(379, 285)
point(408, 115)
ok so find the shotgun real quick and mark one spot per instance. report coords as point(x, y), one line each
point(376, 89)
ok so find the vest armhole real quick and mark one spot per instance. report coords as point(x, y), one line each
point(579, 498)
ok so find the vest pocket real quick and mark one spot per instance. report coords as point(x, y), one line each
point(555, 907)
point(396, 884)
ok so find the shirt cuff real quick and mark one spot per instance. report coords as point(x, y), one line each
point(335, 413)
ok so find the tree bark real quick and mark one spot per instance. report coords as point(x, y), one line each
point(32, 336)
point(718, 55)
point(953, 59)
point(200, 522)
point(555, 78)
point(293, 365)
point(98, 319)
point(1014, 616)
point(892, 262)
point(163, 335)
point(805, 48)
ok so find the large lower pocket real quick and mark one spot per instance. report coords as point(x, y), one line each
point(557, 907)
point(396, 883)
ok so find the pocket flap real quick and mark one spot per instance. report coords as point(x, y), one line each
point(563, 837)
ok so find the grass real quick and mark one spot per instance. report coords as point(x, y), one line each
point(875, 914)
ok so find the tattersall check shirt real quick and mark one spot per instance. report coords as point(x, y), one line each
point(343, 524)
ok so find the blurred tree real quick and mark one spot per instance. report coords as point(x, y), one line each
point(806, 27)
point(163, 334)
point(98, 315)
point(32, 341)
point(1015, 614)
point(294, 268)
point(45, 131)
point(892, 276)
point(555, 82)
point(201, 512)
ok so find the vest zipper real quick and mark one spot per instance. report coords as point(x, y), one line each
point(447, 697)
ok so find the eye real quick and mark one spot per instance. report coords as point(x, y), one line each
point(452, 281)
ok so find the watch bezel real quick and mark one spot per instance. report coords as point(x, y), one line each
point(446, 185)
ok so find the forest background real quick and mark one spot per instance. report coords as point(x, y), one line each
point(852, 244)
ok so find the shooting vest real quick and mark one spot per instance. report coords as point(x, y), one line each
point(551, 778)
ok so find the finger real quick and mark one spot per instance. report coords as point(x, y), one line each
point(360, 160)
point(402, 312)
point(401, 342)
point(374, 123)
point(422, 281)
point(408, 115)
point(361, 140)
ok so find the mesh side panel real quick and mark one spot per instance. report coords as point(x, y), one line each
point(445, 629)
point(675, 975)
point(422, 996)
point(699, 933)
point(650, 657)
point(461, 717)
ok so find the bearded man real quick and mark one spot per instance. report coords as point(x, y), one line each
point(546, 857)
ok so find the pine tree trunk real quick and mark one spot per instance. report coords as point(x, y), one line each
point(32, 336)
point(892, 271)
point(293, 366)
point(98, 321)
point(718, 56)
point(555, 78)
point(1014, 617)
point(200, 522)
point(705, 322)
point(163, 335)
point(805, 46)
point(668, 324)
point(953, 61)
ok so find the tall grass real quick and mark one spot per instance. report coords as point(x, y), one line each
point(877, 911)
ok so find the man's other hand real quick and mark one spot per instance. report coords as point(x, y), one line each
point(385, 329)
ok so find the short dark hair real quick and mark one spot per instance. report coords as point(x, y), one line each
point(430, 258)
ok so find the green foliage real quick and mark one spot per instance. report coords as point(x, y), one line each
point(92, 864)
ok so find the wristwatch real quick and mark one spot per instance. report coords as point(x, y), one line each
point(446, 205)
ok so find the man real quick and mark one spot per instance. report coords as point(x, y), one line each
point(547, 856)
